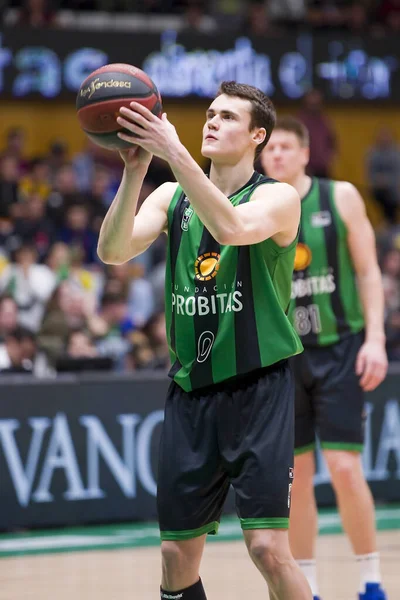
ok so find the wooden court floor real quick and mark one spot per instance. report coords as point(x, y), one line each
point(226, 571)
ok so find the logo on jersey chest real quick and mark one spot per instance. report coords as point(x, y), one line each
point(321, 219)
point(303, 257)
point(206, 266)
point(187, 215)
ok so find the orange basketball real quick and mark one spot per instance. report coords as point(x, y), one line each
point(102, 94)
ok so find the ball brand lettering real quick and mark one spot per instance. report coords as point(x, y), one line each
point(204, 305)
point(97, 85)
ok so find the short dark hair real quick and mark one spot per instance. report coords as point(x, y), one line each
point(295, 126)
point(263, 112)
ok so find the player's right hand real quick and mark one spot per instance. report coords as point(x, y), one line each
point(135, 157)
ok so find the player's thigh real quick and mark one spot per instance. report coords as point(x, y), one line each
point(259, 449)
point(304, 410)
point(340, 402)
point(192, 484)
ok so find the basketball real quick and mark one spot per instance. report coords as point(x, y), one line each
point(102, 94)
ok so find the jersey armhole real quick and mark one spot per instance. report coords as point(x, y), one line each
point(171, 207)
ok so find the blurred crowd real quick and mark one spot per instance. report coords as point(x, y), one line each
point(253, 17)
point(61, 308)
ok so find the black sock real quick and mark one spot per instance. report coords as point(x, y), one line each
point(194, 592)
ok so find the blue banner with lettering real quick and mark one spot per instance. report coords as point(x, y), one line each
point(52, 64)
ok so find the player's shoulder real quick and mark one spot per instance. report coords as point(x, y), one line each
point(279, 191)
point(348, 200)
point(164, 193)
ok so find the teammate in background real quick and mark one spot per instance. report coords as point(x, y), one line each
point(337, 309)
point(229, 414)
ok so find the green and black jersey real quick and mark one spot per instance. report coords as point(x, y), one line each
point(225, 305)
point(325, 306)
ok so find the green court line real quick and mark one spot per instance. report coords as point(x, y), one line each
point(139, 535)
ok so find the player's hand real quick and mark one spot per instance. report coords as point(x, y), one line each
point(136, 157)
point(157, 136)
point(371, 364)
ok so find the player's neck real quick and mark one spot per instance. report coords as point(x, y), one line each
point(302, 183)
point(230, 178)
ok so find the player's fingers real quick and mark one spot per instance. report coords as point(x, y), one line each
point(367, 373)
point(371, 374)
point(143, 111)
point(378, 375)
point(360, 363)
point(129, 138)
point(130, 126)
point(135, 117)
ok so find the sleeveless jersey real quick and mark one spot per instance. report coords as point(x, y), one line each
point(325, 306)
point(225, 305)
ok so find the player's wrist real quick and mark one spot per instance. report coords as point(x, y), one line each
point(375, 336)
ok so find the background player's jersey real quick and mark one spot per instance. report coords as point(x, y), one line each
point(225, 305)
point(325, 306)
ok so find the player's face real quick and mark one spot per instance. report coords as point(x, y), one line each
point(284, 158)
point(226, 134)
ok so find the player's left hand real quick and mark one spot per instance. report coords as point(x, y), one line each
point(155, 135)
point(371, 364)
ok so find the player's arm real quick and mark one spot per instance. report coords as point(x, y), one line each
point(372, 360)
point(124, 235)
point(272, 213)
point(274, 209)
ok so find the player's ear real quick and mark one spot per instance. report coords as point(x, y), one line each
point(259, 135)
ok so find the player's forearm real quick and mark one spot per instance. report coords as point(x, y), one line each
point(211, 206)
point(372, 299)
point(115, 238)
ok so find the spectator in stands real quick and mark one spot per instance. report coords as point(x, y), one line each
point(32, 358)
point(8, 315)
point(37, 180)
point(57, 157)
point(78, 233)
point(11, 353)
point(68, 309)
point(80, 345)
point(155, 332)
point(196, 19)
point(115, 342)
point(138, 291)
point(389, 14)
point(99, 197)
point(15, 146)
point(8, 185)
point(59, 261)
point(383, 173)
point(256, 20)
point(30, 284)
point(37, 13)
point(323, 145)
point(65, 192)
point(33, 226)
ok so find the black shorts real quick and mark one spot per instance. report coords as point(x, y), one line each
point(329, 399)
point(238, 432)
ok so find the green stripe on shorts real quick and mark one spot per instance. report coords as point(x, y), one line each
point(272, 523)
point(304, 449)
point(188, 534)
point(342, 446)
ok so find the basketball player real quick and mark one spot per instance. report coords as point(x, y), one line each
point(337, 309)
point(230, 408)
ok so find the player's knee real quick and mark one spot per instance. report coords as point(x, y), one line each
point(177, 556)
point(269, 552)
point(173, 557)
point(345, 470)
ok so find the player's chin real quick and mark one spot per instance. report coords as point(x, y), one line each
point(208, 151)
